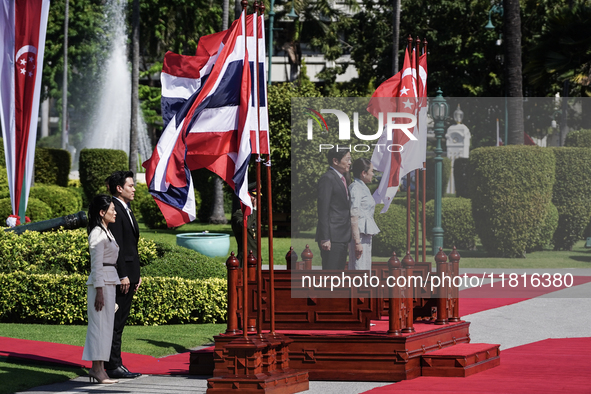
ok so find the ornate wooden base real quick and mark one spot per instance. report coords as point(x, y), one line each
point(255, 364)
point(433, 350)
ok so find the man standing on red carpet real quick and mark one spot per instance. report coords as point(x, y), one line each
point(126, 233)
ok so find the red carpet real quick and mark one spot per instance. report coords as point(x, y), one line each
point(72, 355)
point(549, 366)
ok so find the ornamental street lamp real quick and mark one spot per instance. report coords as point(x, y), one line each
point(439, 110)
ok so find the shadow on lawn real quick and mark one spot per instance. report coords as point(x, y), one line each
point(166, 345)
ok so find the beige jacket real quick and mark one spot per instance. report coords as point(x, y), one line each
point(103, 250)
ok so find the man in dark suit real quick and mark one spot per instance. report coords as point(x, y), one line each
point(126, 233)
point(333, 232)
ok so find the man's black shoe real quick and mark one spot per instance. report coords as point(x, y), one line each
point(122, 373)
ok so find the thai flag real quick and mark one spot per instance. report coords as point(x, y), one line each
point(208, 131)
point(23, 26)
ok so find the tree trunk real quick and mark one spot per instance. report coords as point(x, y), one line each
point(396, 38)
point(513, 75)
point(135, 76)
point(217, 212)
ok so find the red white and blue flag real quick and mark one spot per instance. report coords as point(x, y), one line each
point(23, 25)
point(210, 130)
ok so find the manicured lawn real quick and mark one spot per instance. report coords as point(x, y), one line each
point(158, 341)
point(155, 341)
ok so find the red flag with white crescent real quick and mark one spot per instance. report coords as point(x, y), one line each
point(23, 25)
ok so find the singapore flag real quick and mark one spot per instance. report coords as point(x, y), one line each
point(23, 25)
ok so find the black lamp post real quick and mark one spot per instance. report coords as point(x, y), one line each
point(439, 110)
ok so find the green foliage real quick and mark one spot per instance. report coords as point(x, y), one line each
point(461, 173)
point(151, 214)
point(578, 138)
point(456, 221)
point(572, 195)
point(37, 210)
point(392, 235)
point(445, 174)
point(172, 261)
point(280, 96)
point(511, 196)
point(2, 157)
point(4, 192)
point(96, 165)
point(55, 252)
point(52, 166)
point(542, 236)
point(61, 299)
point(61, 200)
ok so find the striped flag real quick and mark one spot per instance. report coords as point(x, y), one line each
point(23, 25)
point(208, 131)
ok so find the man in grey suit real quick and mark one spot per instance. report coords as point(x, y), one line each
point(333, 232)
point(126, 233)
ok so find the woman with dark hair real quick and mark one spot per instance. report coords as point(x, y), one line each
point(363, 225)
point(101, 284)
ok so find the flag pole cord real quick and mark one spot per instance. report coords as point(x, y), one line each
point(244, 228)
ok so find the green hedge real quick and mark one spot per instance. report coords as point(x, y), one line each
point(37, 210)
point(456, 221)
point(56, 252)
point(96, 165)
point(61, 299)
point(173, 260)
point(578, 138)
point(461, 177)
point(149, 210)
point(61, 200)
point(392, 236)
point(572, 195)
point(542, 236)
point(511, 189)
point(52, 166)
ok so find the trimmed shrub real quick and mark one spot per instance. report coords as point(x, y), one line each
point(52, 166)
point(456, 221)
point(61, 200)
point(151, 214)
point(37, 210)
point(445, 174)
point(578, 139)
point(96, 165)
point(542, 236)
point(392, 235)
point(75, 186)
point(172, 261)
point(461, 179)
point(61, 299)
point(511, 189)
point(572, 195)
point(56, 252)
point(141, 194)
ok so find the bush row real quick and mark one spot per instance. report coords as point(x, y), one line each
point(95, 165)
point(66, 252)
point(61, 299)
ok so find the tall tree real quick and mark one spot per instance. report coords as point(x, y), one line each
point(513, 73)
point(135, 76)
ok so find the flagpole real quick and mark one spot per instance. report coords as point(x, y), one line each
point(424, 221)
point(408, 177)
point(255, 33)
point(270, 220)
point(417, 174)
point(244, 228)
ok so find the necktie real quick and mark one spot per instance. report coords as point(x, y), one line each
point(345, 183)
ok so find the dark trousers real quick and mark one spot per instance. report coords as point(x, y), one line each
point(336, 257)
point(124, 302)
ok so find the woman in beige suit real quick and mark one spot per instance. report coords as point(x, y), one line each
point(101, 284)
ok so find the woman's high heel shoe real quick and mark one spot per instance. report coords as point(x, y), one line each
point(92, 377)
